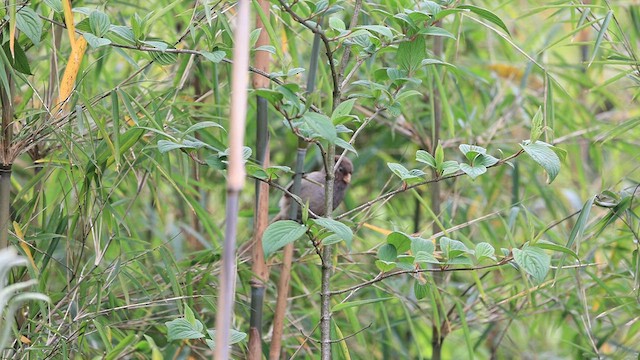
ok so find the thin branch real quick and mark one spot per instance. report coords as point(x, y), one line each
point(409, 187)
point(383, 276)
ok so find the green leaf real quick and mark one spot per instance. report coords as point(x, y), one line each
point(180, 329)
point(321, 125)
point(202, 125)
point(425, 257)
point(55, 5)
point(486, 14)
point(215, 57)
point(401, 241)
point(385, 266)
point(450, 167)
point(99, 23)
point(452, 248)
point(382, 30)
point(343, 109)
point(160, 45)
point(534, 261)
point(403, 173)
point(166, 146)
point(235, 337)
point(420, 290)
point(425, 158)
point(94, 41)
point(601, 34)
point(341, 230)
point(536, 126)
point(436, 31)
point(387, 252)
point(543, 154)
point(473, 171)
point(337, 24)
point(420, 244)
point(410, 54)
point(358, 303)
point(124, 32)
point(163, 58)
point(548, 245)
point(28, 21)
point(485, 250)
point(281, 233)
point(20, 62)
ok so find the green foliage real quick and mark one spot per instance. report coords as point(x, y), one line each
point(120, 191)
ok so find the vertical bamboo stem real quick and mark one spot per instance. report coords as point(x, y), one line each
point(258, 266)
point(235, 178)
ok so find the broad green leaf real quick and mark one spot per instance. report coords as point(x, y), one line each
point(387, 252)
point(28, 21)
point(235, 337)
point(180, 329)
point(166, 146)
point(425, 257)
point(99, 23)
point(163, 58)
point(337, 24)
point(425, 158)
point(343, 109)
point(410, 54)
point(55, 5)
point(403, 173)
point(401, 241)
point(485, 250)
point(94, 41)
point(19, 62)
point(385, 266)
point(321, 125)
point(215, 57)
point(160, 45)
point(450, 167)
point(543, 154)
point(436, 31)
point(420, 290)
point(420, 244)
point(124, 32)
point(336, 227)
point(382, 30)
point(473, 171)
point(281, 233)
point(452, 248)
point(534, 261)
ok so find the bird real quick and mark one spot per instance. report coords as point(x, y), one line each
point(312, 190)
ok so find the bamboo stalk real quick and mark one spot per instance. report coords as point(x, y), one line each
point(6, 159)
point(258, 266)
point(235, 179)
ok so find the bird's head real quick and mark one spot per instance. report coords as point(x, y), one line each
point(344, 170)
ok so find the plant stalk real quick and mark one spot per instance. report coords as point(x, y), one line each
point(235, 179)
point(258, 266)
point(437, 335)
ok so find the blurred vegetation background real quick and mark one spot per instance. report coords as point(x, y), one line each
point(114, 166)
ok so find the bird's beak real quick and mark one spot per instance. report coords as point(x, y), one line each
point(347, 178)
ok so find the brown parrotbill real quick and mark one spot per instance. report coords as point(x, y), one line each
point(312, 190)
